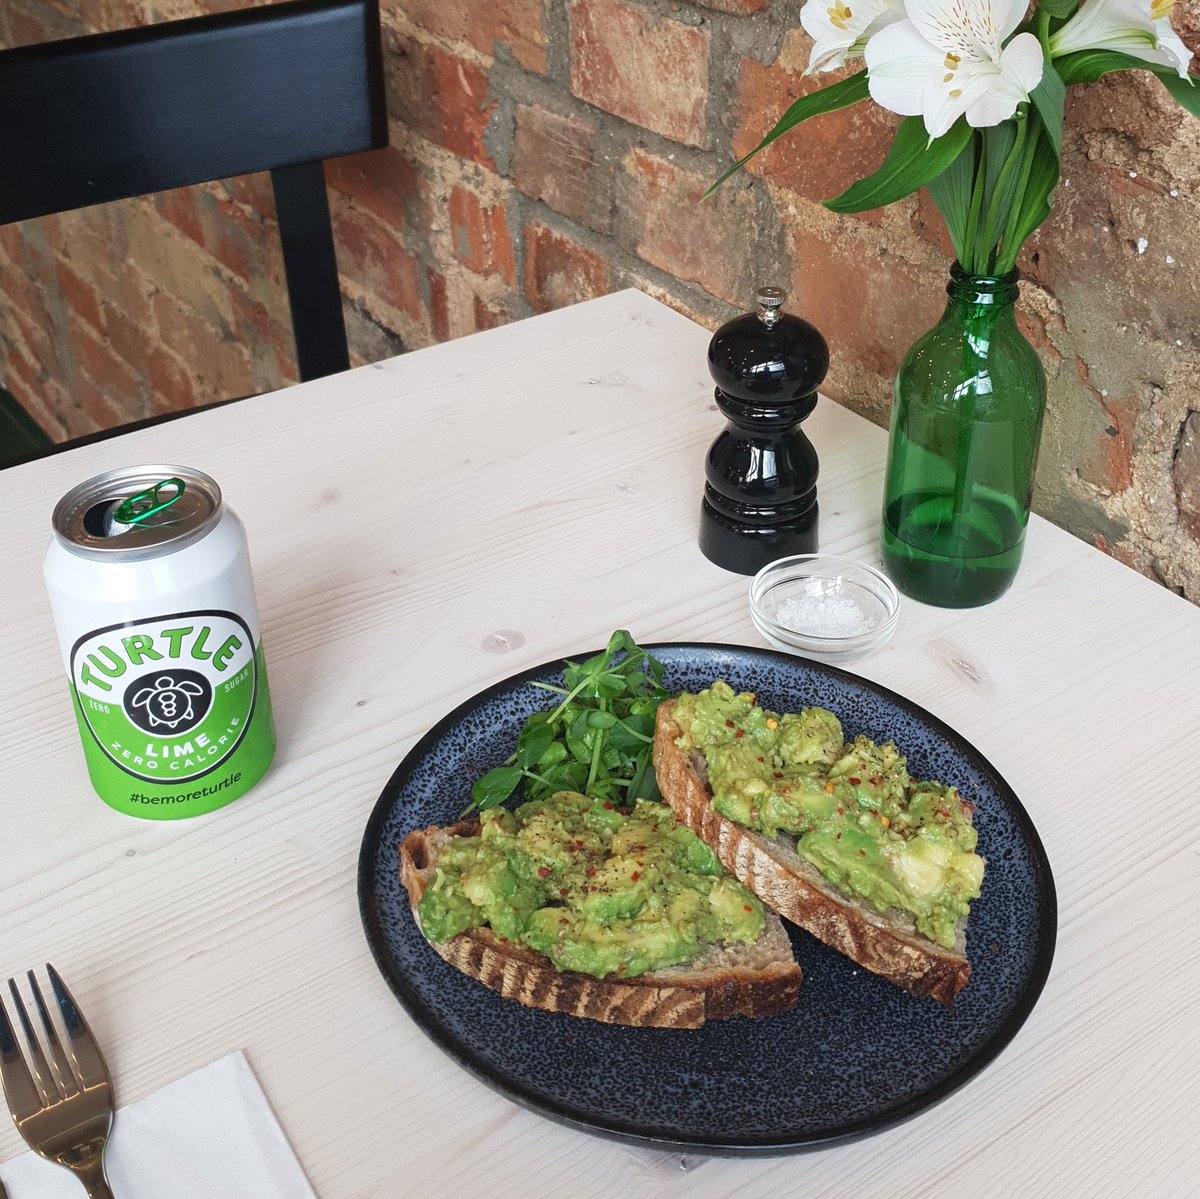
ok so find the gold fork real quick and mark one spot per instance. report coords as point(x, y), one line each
point(61, 1098)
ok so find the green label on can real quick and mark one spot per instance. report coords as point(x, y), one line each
point(174, 712)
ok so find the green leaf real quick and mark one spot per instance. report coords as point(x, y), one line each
point(1004, 148)
point(622, 642)
point(495, 787)
point(828, 99)
point(998, 141)
point(601, 720)
point(632, 733)
point(911, 163)
point(1086, 66)
point(1184, 92)
point(556, 752)
point(951, 192)
point(534, 740)
point(1033, 207)
point(1058, 8)
point(1048, 98)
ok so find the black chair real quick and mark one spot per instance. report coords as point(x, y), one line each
point(279, 88)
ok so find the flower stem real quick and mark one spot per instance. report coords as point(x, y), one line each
point(1007, 257)
point(974, 266)
point(1016, 162)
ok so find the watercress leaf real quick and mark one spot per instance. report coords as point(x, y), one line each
point(534, 740)
point(556, 752)
point(911, 163)
point(645, 783)
point(827, 99)
point(622, 642)
point(495, 787)
point(571, 776)
point(630, 734)
point(580, 737)
point(607, 686)
point(601, 720)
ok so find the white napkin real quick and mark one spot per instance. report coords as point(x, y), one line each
point(211, 1135)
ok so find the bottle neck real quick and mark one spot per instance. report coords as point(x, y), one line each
point(990, 291)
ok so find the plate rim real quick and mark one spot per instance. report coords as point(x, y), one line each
point(622, 1130)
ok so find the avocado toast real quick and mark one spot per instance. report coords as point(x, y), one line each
point(623, 916)
point(834, 837)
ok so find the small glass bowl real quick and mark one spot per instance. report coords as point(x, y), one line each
point(824, 606)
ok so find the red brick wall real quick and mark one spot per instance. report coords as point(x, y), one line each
point(545, 151)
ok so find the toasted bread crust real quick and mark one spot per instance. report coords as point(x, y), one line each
point(795, 889)
point(758, 980)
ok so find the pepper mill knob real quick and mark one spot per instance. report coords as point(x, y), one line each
point(770, 301)
point(760, 495)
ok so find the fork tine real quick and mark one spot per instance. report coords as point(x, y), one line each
point(19, 1089)
point(90, 1068)
point(37, 1059)
point(60, 1066)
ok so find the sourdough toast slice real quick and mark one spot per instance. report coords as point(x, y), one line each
point(886, 944)
point(727, 980)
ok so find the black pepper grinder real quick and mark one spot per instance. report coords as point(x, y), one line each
point(760, 500)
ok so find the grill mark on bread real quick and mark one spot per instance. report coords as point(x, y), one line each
point(729, 980)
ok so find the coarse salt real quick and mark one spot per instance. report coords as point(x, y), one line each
point(822, 615)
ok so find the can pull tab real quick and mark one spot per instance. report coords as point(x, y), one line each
point(146, 503)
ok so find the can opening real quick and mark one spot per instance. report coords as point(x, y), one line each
point(95, 519)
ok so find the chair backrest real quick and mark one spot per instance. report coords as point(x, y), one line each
point(279, 88)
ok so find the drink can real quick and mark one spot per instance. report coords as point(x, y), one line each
point(149, 580)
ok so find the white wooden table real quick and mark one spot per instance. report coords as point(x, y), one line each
point(428, 525)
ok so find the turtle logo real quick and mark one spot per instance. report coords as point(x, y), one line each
point(168, 704)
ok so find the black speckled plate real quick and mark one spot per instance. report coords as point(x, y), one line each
point(854, 1056)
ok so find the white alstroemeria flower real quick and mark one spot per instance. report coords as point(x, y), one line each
point(948, 59)
point(1139, 28)
point(840, 28)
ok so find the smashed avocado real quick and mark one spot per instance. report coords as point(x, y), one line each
point(856, 815)
point(596, 889)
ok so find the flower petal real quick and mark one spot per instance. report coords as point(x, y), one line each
point(942, 106)
point(841, 30)
point(899, 64)
point(1008, 14)
point(972, 30)
point(1171, 44)
point(1124, 26)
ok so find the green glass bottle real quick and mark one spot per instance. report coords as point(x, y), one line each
point(966, 420)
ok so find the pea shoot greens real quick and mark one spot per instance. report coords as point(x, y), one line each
point(597, 740)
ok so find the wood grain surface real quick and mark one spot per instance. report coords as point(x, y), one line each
point(492, 503)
